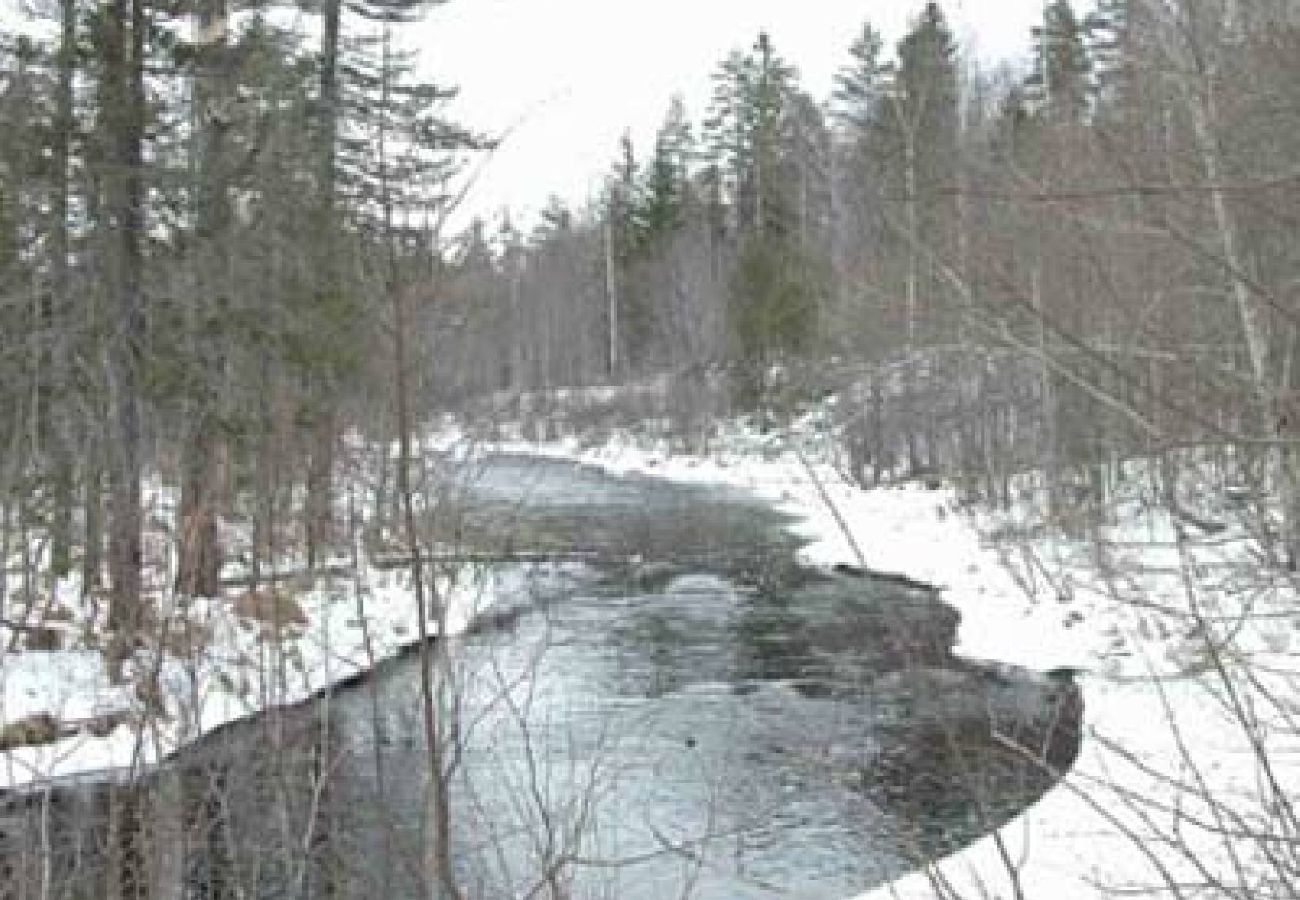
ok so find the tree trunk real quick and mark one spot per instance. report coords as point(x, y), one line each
point(913, 237)
point(92, 502)
point(432, 672)
point(320, 483)
point(438, 732)
point(61, 436)
point(199, 553)
point(1046, 392)
point(198, 565)
point(124, 73)
point(320, 464)
point(611, 299)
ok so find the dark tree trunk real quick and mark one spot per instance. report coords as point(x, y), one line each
point(198, 570)
point(320, 483)
point(199, 557)
point(124, 74)
point(60, 437)
point(92, 560)
point(320, 464)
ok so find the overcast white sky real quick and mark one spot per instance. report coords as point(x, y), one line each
point(575, 73)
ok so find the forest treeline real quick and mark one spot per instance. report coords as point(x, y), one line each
point(222, 248)
point(994, 270)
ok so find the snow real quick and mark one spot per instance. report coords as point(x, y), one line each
point(1186, 654)
point(238, 671)
point(1169, 785)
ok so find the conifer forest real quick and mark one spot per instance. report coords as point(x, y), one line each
point(266, 372)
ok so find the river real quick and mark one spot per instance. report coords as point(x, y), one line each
point(689, 712)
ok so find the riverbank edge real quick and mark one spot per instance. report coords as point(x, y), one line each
point(1084, 838)
point(1147, 715)
point(246, 668)
point(896, 532)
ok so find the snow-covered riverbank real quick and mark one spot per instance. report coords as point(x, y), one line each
point(1185, 653)
point(224, 660)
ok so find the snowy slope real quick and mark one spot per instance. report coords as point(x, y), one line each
point(1190, 753)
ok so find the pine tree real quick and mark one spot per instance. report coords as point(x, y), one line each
point(663, 198)
point(922, 139)
point(1012, 125)
point(1060, 80)
point(751, 93)
point(870, 140)
point(350, 77)
point(926, 91)
point(862, 85)
point(666, 189)
point(36, 184)
point(395, 162)
point(775, 295)
point(556, 218)
point(1108, 31)
point(766, 135)
point(8, 236)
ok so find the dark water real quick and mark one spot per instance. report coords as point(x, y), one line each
point(687, 713)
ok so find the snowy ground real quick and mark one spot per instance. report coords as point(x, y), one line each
point(1187, 652)
point(226, 659)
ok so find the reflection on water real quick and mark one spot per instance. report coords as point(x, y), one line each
point(692, 715)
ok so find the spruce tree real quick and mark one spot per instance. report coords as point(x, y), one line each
point(926, 89)
point(1060, 80)
point(923, 140)
point(759, 132)
point(861, 86)
point(667, 179)
point(1108, 31)
point(751, 93)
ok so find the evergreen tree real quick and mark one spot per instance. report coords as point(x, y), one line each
point(1060, 80)
point(926, 89)
point(803, 172)
point(8, 237)
point(751, 93)
point(246, 163)
point(775, 295)
point(1108, 32)
point(861, 86)
point(769, 138)
point(666, 190)
point(398, 150)
point(356, 65)
point(922, 139)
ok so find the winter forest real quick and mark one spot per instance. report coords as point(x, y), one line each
point(242, 350)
